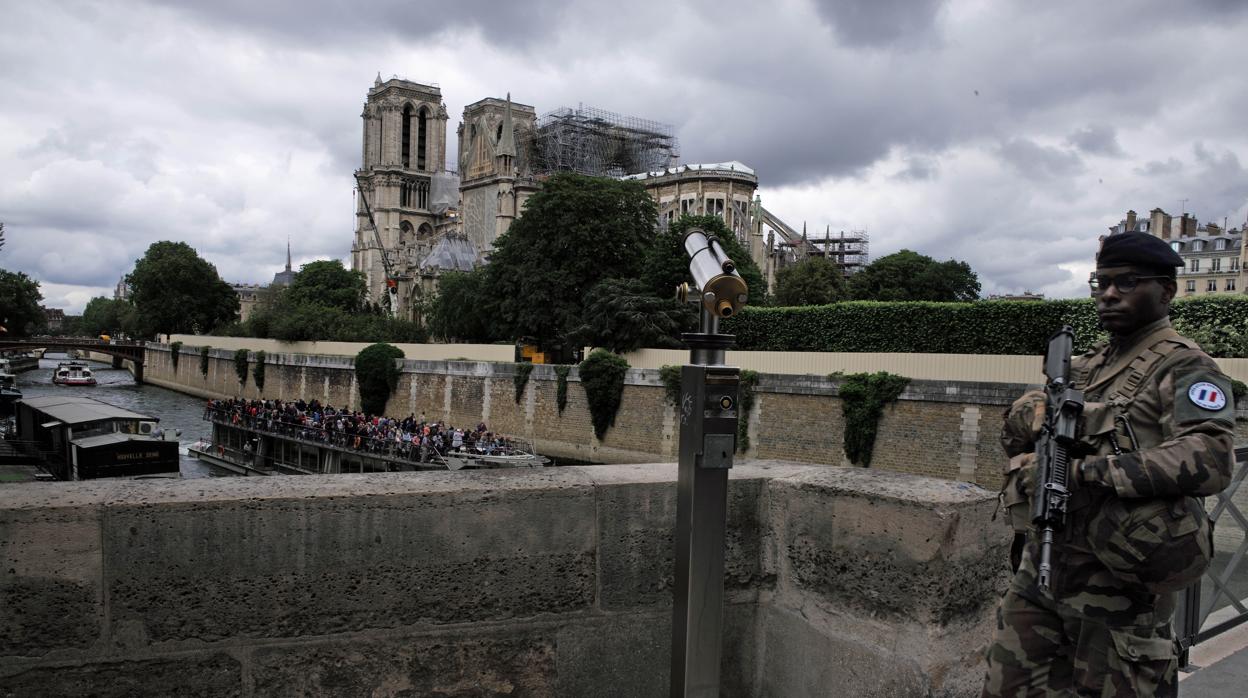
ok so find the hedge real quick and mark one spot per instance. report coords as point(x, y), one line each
point(982, 327)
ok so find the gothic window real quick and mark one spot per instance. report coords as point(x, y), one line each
point(405, 233)
point(422, 138)
point(425, 231)
point(422, 193)
point(407, 136)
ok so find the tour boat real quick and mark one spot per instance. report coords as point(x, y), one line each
point(72, 373)
point(514, 458)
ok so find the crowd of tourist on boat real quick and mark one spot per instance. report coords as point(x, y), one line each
point(412, 438)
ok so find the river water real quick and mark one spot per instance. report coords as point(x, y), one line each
point(176, 412)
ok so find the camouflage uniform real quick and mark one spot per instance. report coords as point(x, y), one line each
point(1098, 634)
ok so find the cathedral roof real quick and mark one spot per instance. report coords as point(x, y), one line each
point(452, 253)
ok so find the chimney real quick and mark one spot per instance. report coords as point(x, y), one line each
point(1187, 225)
point(1130, 221)
point(1159, 223)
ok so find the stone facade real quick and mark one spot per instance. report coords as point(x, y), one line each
point(555, 582)
point(494, 167)
point(1214, 259)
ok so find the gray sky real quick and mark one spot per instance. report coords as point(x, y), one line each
point(1005, 134)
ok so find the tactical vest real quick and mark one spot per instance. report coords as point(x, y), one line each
point(1163, 544)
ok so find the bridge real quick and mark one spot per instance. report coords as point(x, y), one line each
point(119, 350)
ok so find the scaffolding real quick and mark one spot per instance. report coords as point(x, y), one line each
point(596, 142)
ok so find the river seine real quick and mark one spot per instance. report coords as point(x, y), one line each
point(177, 412)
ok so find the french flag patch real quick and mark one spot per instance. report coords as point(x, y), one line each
point(1207, 396)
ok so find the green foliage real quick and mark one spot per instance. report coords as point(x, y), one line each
point(377, 375)
point(910, 276)
point(108, 316)
point(622, 317)
point(602, 376)
point(863, 396)
point(521, 378)
point(326, 283)
point(460, 311)
point(258, 371)
point(561, 386)
point(575, 232)
point(175, 350)
point(812, 281)
point(240, 366)
point(20, 312)
point(667, 263)
point(174, 290)
point(745, 404)
point(203, 361)
point(670, 376)
point(982, 327)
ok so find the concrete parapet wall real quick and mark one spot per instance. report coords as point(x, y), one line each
point(550, 582)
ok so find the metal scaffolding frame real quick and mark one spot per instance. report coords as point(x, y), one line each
point(597, 142)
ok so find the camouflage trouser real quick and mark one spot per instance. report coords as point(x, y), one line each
point(1042, 649)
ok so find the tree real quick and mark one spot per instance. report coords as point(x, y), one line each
point(327, 283)
point(621, 316)
point(377, 376)
point(575, 232)
point(812, 281)
point(107, 316)
point(20, 313)
point(174, 290)
point(667, 262)
point(910, 276)
point(459, 311)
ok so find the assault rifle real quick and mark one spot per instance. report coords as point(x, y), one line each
point(1053, 449)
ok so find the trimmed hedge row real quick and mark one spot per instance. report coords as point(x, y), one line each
point(982, 327)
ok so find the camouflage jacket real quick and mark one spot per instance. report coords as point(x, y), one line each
point(1184, 436)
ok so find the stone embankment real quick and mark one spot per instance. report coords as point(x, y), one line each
point(549, 582)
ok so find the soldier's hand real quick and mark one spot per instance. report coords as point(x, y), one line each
point(1025, 480)
point(1023, 421)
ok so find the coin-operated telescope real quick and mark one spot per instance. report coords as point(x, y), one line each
point(708, 437)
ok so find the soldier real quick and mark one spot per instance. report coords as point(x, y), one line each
point(1156, 435)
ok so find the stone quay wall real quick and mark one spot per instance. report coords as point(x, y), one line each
point(945, 429)
point(554, 582)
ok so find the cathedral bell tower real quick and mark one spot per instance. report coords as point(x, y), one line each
point(404, 149)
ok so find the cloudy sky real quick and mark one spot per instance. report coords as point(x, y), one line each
point(1005, 134)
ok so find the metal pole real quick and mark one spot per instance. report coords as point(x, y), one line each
point(701, 511)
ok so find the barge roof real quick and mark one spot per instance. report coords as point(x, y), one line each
point(80, 410)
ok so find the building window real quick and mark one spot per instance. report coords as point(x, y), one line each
point(1198, 245)
point(1230, 284)
point(1194, 266)
point(1219, 244)
point(407, 136)
point(688, 207)
point(1215, 264)
point(1191, 285)
point(1211, 285)
point(1176, 246)
point(1234, 263)
point(715, 207)
point(422, 137)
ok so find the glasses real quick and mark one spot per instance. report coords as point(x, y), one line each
point(1126, 283)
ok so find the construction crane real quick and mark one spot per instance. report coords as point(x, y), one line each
point(392, 284)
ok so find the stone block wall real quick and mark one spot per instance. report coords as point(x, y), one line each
point(555, 582)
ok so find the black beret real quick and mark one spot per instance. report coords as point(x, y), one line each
point(1137, 249)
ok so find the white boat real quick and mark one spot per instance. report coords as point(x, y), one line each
point(514, 458)
point(72, 373)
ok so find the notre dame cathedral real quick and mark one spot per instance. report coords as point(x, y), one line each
point(430, 219)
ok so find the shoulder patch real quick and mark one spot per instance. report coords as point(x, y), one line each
point(1207, 396)
point(1202, 395)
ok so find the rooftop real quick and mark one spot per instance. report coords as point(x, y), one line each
point(80, 410)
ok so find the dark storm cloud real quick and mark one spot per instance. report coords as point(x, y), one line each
point(347, 21)
point(880, 22)
point(1097, 139)
point(1036, 161)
